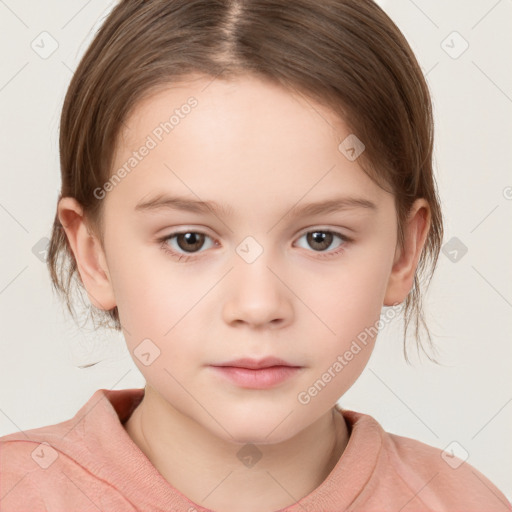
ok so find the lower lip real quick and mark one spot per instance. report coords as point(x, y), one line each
point(263, 378)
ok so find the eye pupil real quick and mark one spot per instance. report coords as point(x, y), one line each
point(193, 240)
point(324, 238)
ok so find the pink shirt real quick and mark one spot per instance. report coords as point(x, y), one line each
point(89, 463)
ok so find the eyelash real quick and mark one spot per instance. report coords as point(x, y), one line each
point(186, 257)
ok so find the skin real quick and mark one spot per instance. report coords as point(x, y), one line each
point(261, 150)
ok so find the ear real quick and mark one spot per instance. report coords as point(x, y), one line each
point(405, 262)
point(89, 255)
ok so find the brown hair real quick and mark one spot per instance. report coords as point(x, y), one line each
point(346, 54)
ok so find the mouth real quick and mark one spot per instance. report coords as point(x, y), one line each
point(256, 364)
point(256, 374)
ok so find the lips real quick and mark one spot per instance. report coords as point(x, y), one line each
point(256, 364)
point(256, 373)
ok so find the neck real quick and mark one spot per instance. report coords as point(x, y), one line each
point(206, 469)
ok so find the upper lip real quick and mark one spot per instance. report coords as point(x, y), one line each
point(256, 364)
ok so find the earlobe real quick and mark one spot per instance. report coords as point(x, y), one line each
point(88, 253)
point(406, 260)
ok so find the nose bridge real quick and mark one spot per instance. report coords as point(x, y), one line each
point(257, 295)
point(252, 267)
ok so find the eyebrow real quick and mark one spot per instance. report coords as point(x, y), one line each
point(167, 202)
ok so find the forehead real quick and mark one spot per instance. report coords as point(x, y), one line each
point(244, 142)
point(243, 102)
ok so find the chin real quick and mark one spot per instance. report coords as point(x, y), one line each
point(257, 428)
point(256, 436)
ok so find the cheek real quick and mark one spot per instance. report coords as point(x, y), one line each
point(146, 286)
point(355, 294)
point(351, 305)
point(158, 303)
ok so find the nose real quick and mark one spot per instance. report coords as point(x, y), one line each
point(256, 295)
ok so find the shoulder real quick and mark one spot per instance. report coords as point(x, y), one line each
point(39, 448)
point(49, 473)
point(54, 466)
point(23, 465)
point(440, 477)
point(25, 452)
point(416, 476)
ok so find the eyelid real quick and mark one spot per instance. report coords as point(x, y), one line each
point(185, 229)
point(205, 231)
point(320, 227)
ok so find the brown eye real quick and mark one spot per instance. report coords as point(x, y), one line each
point(184, 243)
point(320, 240)
point(190, 241)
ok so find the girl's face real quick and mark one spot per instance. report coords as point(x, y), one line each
point(259, 275)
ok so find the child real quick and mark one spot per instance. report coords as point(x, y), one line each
point(259, 131)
